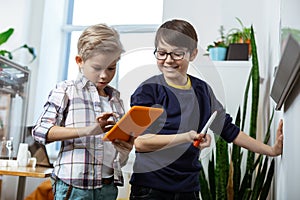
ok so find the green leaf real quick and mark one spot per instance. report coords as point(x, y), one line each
point(266, 188)
point(222, 169)
point(254, 106)
point(211, 176)
point(258, 161)
point(6, 53)
point(4, 36)
point(267, 137)
point(260, 177)
point(244, 184)
point(31, 50)
point(206, 195)
point(247, 194)
point(237, 158)
point(246, 101)
point(255, 86)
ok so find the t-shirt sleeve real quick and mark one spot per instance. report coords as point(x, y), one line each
point(143, 96)
point(222, 124)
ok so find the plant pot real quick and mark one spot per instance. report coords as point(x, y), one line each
point(238, 51)
point(217, 53)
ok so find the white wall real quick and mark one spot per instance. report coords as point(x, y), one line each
point(288, 173)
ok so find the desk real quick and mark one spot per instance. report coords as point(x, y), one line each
point(23, 172)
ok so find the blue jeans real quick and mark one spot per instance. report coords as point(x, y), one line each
point(145, 193)
point(107, 192)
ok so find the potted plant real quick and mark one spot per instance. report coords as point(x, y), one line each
point(239, 35)
point(239, 46)
point(217, 50)
point(4, 36)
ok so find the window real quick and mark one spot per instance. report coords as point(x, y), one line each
point(135, 20)
point(117, 12)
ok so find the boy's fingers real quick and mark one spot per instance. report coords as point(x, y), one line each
point(104, 116)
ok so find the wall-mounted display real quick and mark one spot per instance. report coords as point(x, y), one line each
point(287, 72)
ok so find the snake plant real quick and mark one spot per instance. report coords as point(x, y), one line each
point(224, 177)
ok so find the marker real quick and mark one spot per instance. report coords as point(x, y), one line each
point(205, 129)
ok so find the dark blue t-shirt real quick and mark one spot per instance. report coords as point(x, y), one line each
point(176, 169)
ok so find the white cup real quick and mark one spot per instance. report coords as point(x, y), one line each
point(32, 162)
point(23, 155)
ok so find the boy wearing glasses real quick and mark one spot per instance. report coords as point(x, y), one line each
point(166, 165)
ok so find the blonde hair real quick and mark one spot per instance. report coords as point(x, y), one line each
point(99, 38)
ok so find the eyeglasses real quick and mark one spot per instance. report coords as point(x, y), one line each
point(162, 55)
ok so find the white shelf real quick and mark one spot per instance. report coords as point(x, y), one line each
point(238, 64)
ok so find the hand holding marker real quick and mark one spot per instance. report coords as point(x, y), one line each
point(205, 129)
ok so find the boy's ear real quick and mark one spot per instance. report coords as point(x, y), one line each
point(78, 59)
point(194, 54)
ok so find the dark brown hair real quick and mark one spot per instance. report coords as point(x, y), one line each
point(178, 33)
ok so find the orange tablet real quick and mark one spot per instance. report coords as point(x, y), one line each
point(133, 123)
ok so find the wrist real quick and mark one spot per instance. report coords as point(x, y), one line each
point(90, 130)
point(82, 132)
point(191, 136)
point(275, 151)
point(122, 158)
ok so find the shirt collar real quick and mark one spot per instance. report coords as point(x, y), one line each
point(82, 82)
point(187, 86)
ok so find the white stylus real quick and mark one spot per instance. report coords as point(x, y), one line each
point(205, 128)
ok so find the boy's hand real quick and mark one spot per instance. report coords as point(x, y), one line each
point(278, 146)
point(205, 140)
point(103, 121)
point(102, 125)
point(124, 148)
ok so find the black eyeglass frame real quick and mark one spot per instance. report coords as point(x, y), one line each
point(166, 55)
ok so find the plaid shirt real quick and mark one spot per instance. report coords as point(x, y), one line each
point(80, 160)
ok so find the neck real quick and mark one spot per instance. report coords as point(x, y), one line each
point(102, 93)
point(187, 85)
point(183, 81)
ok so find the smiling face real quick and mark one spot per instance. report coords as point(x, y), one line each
point(175, 71)
point(175, 38)
point(99, 69)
